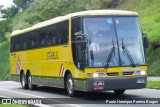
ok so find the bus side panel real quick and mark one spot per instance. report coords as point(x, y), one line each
point(50, 65)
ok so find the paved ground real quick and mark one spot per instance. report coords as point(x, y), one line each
point(57, 97)
point(153, 78)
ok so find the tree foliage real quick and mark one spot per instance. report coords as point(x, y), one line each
point(4, 27)
point(42, 10)
point(22, 4)
point(8, 12)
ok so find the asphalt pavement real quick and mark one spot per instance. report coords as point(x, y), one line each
point(55, 97)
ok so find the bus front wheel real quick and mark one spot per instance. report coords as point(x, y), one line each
point(70, 86)
point(119, 91)
point(23, 81)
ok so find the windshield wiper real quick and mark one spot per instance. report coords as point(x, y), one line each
point(128, 54)
point(110, 54)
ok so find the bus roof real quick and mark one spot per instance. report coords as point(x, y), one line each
point(63, 18)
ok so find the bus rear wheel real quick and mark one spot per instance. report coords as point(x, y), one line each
point(70, 85)
point(30, 84)
point(119, 91)
point(23, 81)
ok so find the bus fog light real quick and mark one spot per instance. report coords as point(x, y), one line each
point(141, 73)
point(95, 75)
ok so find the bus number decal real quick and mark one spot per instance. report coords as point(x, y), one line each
point(52, 55)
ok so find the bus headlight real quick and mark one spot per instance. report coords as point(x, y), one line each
point(95, 75)
point(141, 72)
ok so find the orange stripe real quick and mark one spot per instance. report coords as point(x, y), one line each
point(60, 70)
point(63, 71)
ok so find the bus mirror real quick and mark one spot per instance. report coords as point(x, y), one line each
point(145, 41)
point(80, 36)
point(78, 33)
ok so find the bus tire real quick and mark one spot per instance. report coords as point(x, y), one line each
point(30, 85)
point(70, 85)
point(119, 91)
point(23, 81)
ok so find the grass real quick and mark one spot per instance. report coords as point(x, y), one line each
point(153, 59)
point(153, 84)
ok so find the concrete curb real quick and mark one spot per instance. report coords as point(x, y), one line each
point(153, 78)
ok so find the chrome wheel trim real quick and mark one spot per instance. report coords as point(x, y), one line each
point(23, 81)
point(70, 85)
point(30, 81)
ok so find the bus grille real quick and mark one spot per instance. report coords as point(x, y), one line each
point(128, 73)
point(125, 73)
point(113, 74)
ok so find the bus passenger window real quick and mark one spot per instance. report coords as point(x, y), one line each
point(32, 43)
point(24, 45)
point(17, 46)
point(42, 40)
point(58, 38)
point(50, 41)
point(54, 40)
point(17, 43)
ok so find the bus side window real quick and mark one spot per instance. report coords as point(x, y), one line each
point(13, 41)
point(58, 38)
point(24, 44)
point(64, 30)
point(49, 39)
point(53, 33)
point(54, 40)
point(11, 47)
point(18, 43)
point(42, 39)
point(32, 43)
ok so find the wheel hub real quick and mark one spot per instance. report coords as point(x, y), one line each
point(29, 81)
point(70, 85)
point(23, 80)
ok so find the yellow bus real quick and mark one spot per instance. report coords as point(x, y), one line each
point(94, 50)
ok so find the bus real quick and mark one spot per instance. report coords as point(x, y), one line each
point(94, 50)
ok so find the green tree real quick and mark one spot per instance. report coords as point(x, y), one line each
point(9, 12)
point(4, 27)
point(22, 4)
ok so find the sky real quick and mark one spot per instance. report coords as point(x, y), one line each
point(6, 3)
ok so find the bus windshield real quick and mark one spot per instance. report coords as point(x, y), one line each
point(113, 41)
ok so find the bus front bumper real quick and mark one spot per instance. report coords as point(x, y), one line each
point(119, 83)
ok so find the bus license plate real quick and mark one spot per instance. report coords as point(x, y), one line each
point(98, 85)
point(141, 81)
